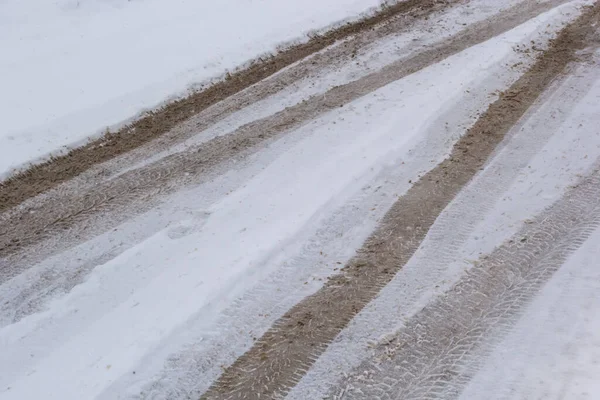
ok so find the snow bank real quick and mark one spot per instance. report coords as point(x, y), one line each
point(70, 68)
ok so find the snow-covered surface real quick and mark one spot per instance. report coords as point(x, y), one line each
point(71, 68)
point(367, 134)
point(143, 323)
point(546, 156)
point(554, 351)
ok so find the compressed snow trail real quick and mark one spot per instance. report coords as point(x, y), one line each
point(159, 305)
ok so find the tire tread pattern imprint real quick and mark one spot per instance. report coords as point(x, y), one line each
point(42, 177)
point(72, 215)
point(281, 357)
point(440, 348)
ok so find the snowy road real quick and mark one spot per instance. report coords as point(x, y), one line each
point(410, 212)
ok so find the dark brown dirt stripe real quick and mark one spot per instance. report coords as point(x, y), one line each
point(282, 356)
point(42, 177)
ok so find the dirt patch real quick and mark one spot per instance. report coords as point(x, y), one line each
point(281, 357)
point(42, 177)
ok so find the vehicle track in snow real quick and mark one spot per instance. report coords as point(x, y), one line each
point(489, 210)
point(40, 178)
point(282, 356)
point(59, 253)
point(440, 348)
point(69, 215)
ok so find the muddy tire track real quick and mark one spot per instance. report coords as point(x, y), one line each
point(75, 215)
point(439, 349)
point(443, 248)
point(42, 177)
point(328, 59)
point(283, 355)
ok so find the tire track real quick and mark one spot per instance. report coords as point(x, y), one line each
point(562, 316)
point(334, 56)
point(438, 351)
point(442, 252)
point(283, 355)
point(135, 191)
point(333, 241)
point(40, 178)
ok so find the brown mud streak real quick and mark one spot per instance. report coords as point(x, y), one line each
point(74, 210)
point(283, 355)
point(40, 178)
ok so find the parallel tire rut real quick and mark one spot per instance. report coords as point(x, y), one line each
point(283, 355)
point(438, 350)
point(127, 194)
point(42, 177)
